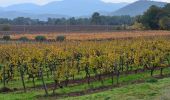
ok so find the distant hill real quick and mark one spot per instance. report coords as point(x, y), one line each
point(62, 8)
point(15, 14)
point(76, 8)
point(80, 7)
point(137, 8)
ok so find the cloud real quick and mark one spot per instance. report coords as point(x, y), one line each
point(41, 2)
point(10, 2)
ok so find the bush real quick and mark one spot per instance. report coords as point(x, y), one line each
point(152, 80)
point(137, 26)
point(23, 39)
point(40, 38)
point(118, 28)
point(6, 37)
point(61, 38)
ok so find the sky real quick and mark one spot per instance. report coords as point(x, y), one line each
point(42, 2)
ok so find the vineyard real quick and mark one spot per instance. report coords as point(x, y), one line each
point(61, 65)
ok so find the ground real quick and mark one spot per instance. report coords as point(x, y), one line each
point(140, 91)
point(92, 35)
point(143, 91)
point(159, 90)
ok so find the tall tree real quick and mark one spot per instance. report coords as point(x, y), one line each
point(151, 17)
point(165, 23)
point(96, 19)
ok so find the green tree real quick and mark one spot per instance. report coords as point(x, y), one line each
point(96, 19)
point(164, 23)
point(151, 17)
point(167, 9)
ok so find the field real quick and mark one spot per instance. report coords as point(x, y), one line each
point(91, 35)
point(144, 91)
point(123, 66)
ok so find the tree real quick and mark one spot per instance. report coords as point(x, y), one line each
point(72, 21)
point(156, 18)
point(96, 19)
point(151, 17)
point(164, 23)
point(167, 9)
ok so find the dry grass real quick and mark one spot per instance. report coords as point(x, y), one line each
point(96, 35)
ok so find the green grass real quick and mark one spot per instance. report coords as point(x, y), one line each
point(18, 84)
point(144, 91)
point(108, 81)
point(130, 92)
point(31, 95)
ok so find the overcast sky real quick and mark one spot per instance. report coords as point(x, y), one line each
point(41, 2)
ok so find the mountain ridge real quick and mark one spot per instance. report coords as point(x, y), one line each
point(70, 8)
point(137, 8)
point(76, 8)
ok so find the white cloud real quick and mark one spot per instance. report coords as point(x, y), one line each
point(10, 2)
point(41, 2)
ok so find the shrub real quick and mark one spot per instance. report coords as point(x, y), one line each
point(23, 39)
point(6, 37)
point(61, 38)
point(118, 28)
point(137, 26)
point(40, 38)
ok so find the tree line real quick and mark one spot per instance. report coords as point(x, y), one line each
point(95, 19)
point(155, 18)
